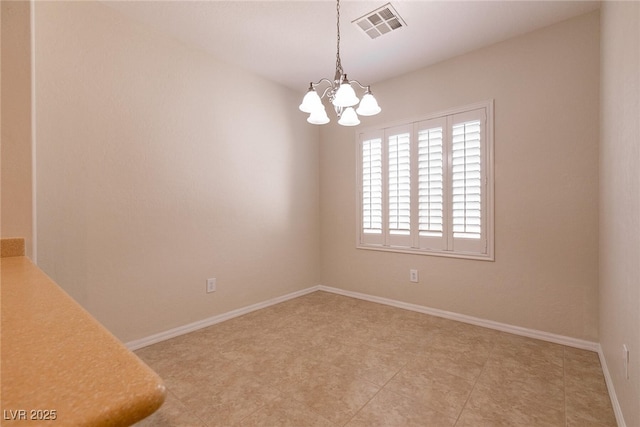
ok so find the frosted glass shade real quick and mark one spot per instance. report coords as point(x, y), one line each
point(318, 116)
point(311, 102)
point(345, 96)
point(368, 106)
point(349, 118)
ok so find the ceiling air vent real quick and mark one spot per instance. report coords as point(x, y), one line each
point(381, 21)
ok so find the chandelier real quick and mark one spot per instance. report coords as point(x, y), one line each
point(340, 93)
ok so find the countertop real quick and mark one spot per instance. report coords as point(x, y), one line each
point(60, 366)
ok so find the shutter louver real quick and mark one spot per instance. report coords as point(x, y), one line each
point(430, 182)
point(372, 186)
point(467, 180)
point(399, 184)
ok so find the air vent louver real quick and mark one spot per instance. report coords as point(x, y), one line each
point(381, 21)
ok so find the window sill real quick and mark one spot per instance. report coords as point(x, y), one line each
point(446, 254)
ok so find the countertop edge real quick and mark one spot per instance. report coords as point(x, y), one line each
point(56, 356)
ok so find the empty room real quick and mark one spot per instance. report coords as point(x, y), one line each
point(320, 213)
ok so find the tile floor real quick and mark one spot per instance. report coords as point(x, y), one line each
point(329, 360)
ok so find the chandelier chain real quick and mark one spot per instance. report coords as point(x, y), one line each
point(338, 62)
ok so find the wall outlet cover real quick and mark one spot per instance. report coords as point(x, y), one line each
point(211, 285)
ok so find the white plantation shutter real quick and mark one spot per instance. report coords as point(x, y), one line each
point(371, 189)
point(426, 187)
point(399, 183)
point(431, 167)
point(372, 186)
point(467, 181)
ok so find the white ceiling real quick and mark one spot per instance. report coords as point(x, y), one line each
point(294, 42)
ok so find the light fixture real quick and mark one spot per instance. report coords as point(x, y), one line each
point(341, 95)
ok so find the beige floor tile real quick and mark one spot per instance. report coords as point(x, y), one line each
point(371, 364)
point(218, 334)
point(587, 365)
point(172, 413)
point(228, 402)
point(181, 374)
point(451, 359)
point(514, 347)
point(454, 340)
point(383, 338)
point(436, 389)
point(587, 356)
point(283, 412)
point(319, 337)
point(393, 410)
point(250, 350)
point(186, 348)
point(188, 380)
point(462, 330)
point(287, 370)
point(588, 380)
point(587, 399)
point(331, 393)
point(544, 389)
point(590, 411)
point(490, 406)
point(272, 367)
point(526, 370)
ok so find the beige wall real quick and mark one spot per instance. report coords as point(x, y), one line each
point(15, 217)
point(159, 167)
point(545, 86)
point(620, 200)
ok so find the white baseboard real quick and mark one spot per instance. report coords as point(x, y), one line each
point(191, 327)
point(612, 391)
point(517, 330)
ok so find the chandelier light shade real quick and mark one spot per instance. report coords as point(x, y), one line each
point(345, 96)
point(311, 102)
point(349, 117)
point(318, 116)
point(340, 93)
point(368, 106)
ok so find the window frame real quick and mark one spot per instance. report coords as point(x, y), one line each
point(446, 248)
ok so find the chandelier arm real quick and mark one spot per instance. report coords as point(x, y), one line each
point(367, 87)
point(326, 92)
point(319, 82)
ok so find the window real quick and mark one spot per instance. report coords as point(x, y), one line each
point(427, 186)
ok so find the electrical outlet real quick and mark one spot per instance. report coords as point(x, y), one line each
point(413, 276)
point(211, 285)
point(625, 360)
